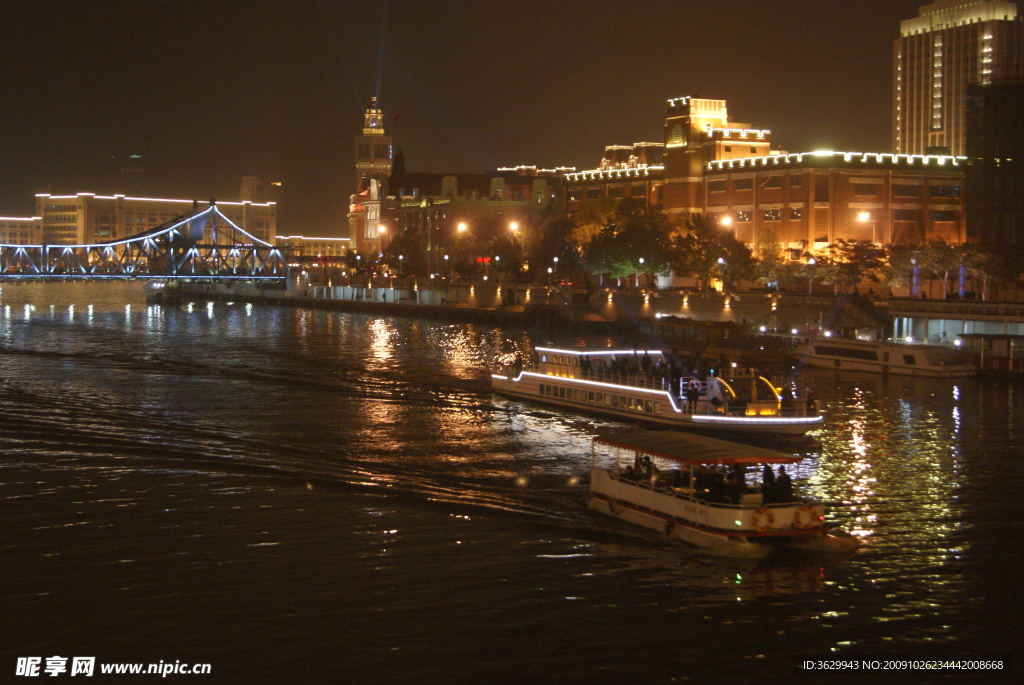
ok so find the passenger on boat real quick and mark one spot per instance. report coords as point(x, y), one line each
point(768, 484)
point(812, 402)
point(785, 486)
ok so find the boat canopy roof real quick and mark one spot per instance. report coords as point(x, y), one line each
point(689, 448)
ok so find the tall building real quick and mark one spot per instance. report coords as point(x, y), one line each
point(951, 45)
point(995, 177)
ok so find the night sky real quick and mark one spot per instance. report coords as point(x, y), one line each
point(209, 91)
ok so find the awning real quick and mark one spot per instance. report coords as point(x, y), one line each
point(690, 448)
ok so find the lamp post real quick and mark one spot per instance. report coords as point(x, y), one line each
point(446, 266)
point(810, 276)
point(864, 217)
point(636, 281)
point(556, 267)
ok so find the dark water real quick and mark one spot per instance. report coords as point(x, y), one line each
point(295, 496)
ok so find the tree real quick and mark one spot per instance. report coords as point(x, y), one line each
point(706, 252)
point(851, 261)
point(941, 259)
point(986, 264)
point(770, 265)
point(634, 240)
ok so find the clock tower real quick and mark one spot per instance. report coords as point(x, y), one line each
point(374, 149)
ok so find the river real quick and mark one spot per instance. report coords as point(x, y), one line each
point(312, 496)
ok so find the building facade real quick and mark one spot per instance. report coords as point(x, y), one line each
point(87, 218)
point(21, 230)
point(995, 176)
point(951, 45)
point(711, 166)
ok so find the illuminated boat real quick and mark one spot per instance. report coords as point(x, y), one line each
point(673, 483)
point(900, 358)
point(603, 381)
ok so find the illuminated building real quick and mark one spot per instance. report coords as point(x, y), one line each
point(390, 201)
point(313, 249)
point(21, 230)
point(86, 218)
point(713, 166)
point(951, 45)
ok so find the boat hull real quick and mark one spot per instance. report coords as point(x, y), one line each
point(877, 359)
point(750, 530)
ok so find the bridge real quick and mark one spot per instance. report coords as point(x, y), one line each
point(202, 244)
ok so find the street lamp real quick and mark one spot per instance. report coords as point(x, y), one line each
point(864, 217)
point(726, 220)
point(636, 281)
point(446, 266)
point(462, 227)
point(810, 276)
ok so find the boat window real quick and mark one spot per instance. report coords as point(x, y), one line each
point(590, 397)
point(648, 407)
point(543, 357)
point(615, 401)
point(576, 395)
point(657, 407)
point(848, 353)
point(909, 360)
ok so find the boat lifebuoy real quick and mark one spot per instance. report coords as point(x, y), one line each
point(885, 368)
point(763, 519)
point(804, 516)
point(837, 362)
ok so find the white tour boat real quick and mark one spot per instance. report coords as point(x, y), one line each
point(690, 500)
point(625, 384)
point(905, 359)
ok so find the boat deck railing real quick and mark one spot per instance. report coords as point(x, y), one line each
point(658, 483)
point(702, 406)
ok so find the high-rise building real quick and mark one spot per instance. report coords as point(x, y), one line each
point(951, 45)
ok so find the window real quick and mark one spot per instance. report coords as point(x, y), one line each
point(796, 181)
point(772, 214)
point(575, 195)
point(743, 183)
point(951, 192)
point(364, 150)
point(638, 191)
point(716, 186)
point(945, 215)
point(796, 213)
point(863, 189)
point(904, 215)
point(593, 193)
point(904, 190)
point(773, 182)
point(743, 215)
point(615, 192)
point(728, 148)
point(821, 189)
point(753, 150)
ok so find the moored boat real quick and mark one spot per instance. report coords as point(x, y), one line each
point(900, 358)
point(627, 384)
point(674, 483)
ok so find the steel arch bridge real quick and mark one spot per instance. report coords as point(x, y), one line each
point(202, 245)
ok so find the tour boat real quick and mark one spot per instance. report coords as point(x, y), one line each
point(631, 384)
point(673, 482)
point(905, 359)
